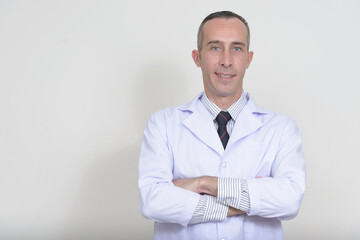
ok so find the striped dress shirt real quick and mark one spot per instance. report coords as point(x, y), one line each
point(231, 191)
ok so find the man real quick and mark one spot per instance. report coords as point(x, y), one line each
point(221, 167)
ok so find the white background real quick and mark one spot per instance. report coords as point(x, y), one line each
point(79, 79)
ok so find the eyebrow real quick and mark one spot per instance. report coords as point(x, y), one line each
point(239, 43)
point(215, 42)
point(222, 43)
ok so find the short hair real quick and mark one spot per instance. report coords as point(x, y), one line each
point(221, 14)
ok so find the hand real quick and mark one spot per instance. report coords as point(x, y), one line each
point(191, 184)
point(204, 184)
point(233, 211)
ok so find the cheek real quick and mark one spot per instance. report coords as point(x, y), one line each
point(208, 67)
point(242, 66)
point(209, 62)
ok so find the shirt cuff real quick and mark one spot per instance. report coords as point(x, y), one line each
point(198, 216)
point(234, 192)
point(209, 209)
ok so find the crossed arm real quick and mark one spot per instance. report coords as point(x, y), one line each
point(164, 199)
point(204, 185)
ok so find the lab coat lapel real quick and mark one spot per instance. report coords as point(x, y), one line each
point(246, 123)
point(200, 123)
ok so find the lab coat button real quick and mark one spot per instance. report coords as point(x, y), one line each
point(224, 164)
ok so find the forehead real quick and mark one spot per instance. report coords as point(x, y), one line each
point(223, 29)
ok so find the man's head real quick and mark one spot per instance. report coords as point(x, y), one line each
point(222, 14)
point(223, 56)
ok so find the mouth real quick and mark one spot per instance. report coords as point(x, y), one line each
point(225, 76)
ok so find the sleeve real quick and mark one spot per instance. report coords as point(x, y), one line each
point(160, 200)
point(280, 195)
point(209, 209)
point(234, 192)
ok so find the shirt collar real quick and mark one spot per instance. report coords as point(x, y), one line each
point(234, 110)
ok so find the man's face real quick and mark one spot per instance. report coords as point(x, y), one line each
point(224, 58)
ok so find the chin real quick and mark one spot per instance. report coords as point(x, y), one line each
point(225, 94)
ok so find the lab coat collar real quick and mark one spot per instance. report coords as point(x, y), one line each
point(200, 123)
point(190, 106)
point(247, 122)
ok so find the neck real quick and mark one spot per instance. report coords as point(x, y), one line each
point(224, 102)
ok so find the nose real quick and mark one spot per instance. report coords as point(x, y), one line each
point(226, 59)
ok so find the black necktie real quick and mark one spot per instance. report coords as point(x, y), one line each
point(222, 119)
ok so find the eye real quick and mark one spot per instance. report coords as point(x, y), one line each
point(215, 48)
point(237, 49)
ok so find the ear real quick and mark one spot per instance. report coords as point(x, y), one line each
point(250, 57)
point(196, 56)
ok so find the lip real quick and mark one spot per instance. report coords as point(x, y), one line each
point(225, 76)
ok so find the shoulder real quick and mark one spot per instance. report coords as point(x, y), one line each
point(271, 118)
point(167, 114)
point(176, 113)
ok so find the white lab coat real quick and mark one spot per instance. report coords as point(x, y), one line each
point(182, 142)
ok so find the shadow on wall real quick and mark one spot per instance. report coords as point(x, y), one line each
point(106, 206)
